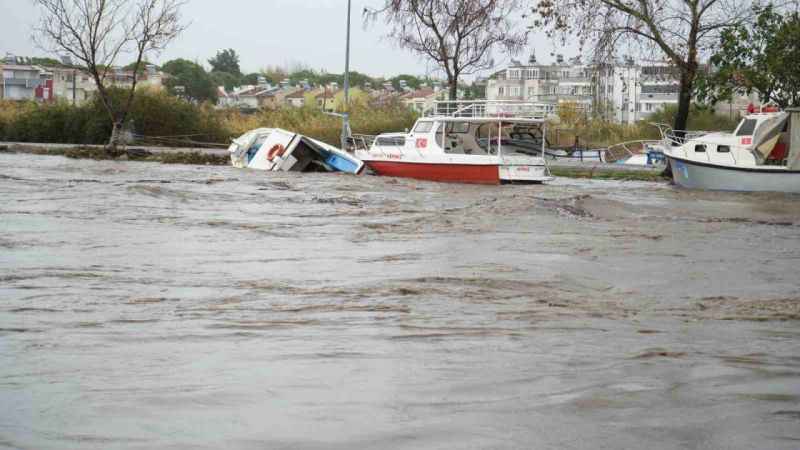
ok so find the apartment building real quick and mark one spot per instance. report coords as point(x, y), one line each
point(25, 82)
point(621, 92)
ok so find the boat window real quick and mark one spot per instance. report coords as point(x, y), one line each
point(423, 127)
point(746, 128)
point(700, 148)
point(393, 141)
point(458, 127)
point(723, 149)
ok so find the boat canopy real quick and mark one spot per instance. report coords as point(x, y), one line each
point(793, 159)
point(768, 134)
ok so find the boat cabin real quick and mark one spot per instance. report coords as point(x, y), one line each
point(760, 139)
point(469, 136)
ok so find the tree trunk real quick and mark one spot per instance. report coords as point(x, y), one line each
point(453, 88)
point(684, 102)
point(116, 137)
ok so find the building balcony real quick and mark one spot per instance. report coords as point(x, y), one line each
point(23, 82)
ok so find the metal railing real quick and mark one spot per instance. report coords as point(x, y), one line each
point(359, 142)
point(490, 108)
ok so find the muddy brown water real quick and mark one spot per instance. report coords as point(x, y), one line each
point(151, 306)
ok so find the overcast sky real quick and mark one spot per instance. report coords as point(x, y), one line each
point(266, 33)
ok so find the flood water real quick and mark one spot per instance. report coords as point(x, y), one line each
point(152, 306)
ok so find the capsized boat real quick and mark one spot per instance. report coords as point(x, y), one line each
point(280, 150)
point(479, 142)
point(762, 154)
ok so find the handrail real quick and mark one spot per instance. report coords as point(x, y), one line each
point(489, 108)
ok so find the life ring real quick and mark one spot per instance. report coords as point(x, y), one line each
point(276, 150)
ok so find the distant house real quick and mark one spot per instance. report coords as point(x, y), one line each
point(325, 100)
point(296, 99)
point(72, 84)
point(421, 100)
point(26, 82)
point(255, 97)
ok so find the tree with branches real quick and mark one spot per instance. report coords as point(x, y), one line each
point(459, 36)
point(761, 57)
point(678, 31)
point(97, 33)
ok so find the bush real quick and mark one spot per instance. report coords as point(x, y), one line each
point(153, 114)
point(596, 132)
point(158, 118)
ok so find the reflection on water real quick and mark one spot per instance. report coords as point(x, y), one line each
point(151, 306)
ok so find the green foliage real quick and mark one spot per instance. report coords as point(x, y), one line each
point(226, 79)
point(250, 79)
point(164, 119)
point(226, 61)
point(197, 84)
point(152, 114)
point(47, 62)
point(142, 66)
point(595, 132)
point(762, 57)
point(411, 81)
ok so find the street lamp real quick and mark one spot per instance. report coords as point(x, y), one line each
point(346, 132)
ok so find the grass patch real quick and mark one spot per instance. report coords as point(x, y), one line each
point(607, 174)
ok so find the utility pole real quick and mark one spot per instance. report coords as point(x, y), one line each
point(346, 132)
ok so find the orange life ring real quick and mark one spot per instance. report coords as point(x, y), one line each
point(276, 150)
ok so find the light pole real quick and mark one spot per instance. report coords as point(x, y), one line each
point(346, 132)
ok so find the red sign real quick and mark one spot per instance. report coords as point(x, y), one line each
point(747, 140)
point(422, 143)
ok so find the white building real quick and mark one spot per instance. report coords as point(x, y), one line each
point(622, 93)
point(25, 82)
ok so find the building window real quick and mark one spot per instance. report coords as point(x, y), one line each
point(501, 91)
point(648, 107)
point(531, 92)
point(514, 92)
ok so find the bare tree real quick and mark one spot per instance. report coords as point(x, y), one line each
point(97, 32)
point(458, 35)
point(680, 31)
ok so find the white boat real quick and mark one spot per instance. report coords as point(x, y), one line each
point(762, 154)
point(275, 149)
point(647, 153)
point(464, 142)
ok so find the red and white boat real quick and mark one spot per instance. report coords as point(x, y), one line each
point(471, 142)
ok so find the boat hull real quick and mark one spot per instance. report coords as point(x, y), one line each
point(452, 173)
point(696, 175)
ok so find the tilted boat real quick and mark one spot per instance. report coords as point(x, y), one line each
point(762, 154)
point(275, 149)
point(476, 142)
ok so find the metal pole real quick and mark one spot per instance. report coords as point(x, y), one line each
point(347, 62)
point(346, 133)
point(74, 78)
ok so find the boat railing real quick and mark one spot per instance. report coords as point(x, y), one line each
point(675, 138)
point(490, 108)
point(359, 142)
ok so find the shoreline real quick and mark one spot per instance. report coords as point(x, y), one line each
point(220, 157)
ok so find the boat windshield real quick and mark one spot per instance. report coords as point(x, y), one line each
point(423, 126)
point(747, 128)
